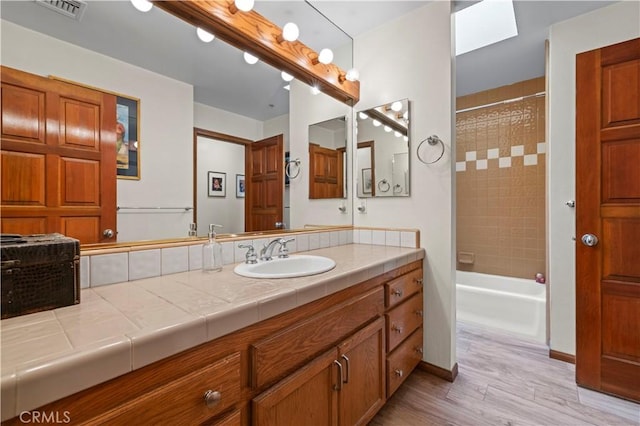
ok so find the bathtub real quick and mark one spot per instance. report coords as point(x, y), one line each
point(514, 305)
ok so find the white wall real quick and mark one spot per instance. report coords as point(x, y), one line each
point(166, 122)
point(218, 120)
point(306, 109)
point(411, 58)
point(221, 157)
point(603, 27)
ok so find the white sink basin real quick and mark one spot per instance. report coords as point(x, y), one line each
point(290, 267)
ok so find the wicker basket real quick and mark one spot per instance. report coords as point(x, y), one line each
point(39, 272)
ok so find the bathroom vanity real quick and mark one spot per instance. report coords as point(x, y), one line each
point(334, 358)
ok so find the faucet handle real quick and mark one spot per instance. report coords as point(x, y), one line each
point(284, 251)
point(251, 257)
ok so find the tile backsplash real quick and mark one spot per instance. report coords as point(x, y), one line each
point(112, 266)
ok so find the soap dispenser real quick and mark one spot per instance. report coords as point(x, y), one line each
point(212, 252)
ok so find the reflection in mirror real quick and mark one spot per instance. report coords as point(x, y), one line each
point(328, 159)
point(383, 167)
point(220, 160)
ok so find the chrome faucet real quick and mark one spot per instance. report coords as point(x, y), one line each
point(267, 251)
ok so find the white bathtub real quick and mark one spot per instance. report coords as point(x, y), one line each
point(515, 305)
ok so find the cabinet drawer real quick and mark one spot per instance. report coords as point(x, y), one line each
point(183, 400)
point(287, 350)
point(403, 360)
point(232, 419)
point(402, 320)
point(400, 289)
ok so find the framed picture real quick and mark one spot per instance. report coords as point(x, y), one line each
point(217, 184)
point(366, 181)
point(127, 137)
point(239, 186)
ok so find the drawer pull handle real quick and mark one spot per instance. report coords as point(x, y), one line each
point(399, 373)
point(212, 398)
point(338, 386)
point(397, 329)
point(419, 350)
point(346, 359)
point(419, 312)
point(397, 292)
point(418, 281)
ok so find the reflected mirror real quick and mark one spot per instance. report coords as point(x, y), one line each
point(328, 159)
point(382, 155)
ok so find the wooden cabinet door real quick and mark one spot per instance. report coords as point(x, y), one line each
point(363, 387)
point(264, 190)
point(308, 397)
point(58, 158)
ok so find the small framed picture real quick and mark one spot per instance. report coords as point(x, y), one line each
point(366, 181)
point(217, 184)
point(239, 186)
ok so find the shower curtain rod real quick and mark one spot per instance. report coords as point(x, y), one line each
point(502, 102)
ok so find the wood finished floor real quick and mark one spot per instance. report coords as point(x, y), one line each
point(502, 380)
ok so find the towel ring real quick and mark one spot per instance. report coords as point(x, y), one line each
point(384, 185)
point(397, 188)
point(432, 140)
point(287, 169)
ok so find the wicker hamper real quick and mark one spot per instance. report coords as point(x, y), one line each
point(39, 272)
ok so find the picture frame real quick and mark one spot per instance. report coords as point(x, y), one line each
point(367, 185)
point(240, 186)
point(127, 137)
point(216, 184)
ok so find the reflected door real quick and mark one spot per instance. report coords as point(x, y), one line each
point(264, 184)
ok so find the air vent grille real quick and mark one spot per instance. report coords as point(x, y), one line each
point(73, 9)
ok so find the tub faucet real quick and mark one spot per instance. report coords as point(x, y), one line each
point(267, 251)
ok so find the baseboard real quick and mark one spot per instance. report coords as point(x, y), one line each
point(561, 356)
point(447, 375)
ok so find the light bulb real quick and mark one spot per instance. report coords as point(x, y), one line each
point(387, 128)
point(249, 58)
point(315, 90)
point(285, 76)
point(396, 106)
point(142, 5)
point(204, 35)
point(290, 31)
point(397, 134)
point(362, 115)
point(376, 123)
point(406, 138)
point(325, 56)
point(353, 74)
point(287, 87)
point(244, 5)
point(406, 115)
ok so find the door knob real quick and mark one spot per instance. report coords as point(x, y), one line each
point(589, 240)
point(108, 233)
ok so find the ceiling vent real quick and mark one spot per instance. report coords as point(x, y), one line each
point(73, 9)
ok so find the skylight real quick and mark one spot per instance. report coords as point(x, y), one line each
point(484, 23)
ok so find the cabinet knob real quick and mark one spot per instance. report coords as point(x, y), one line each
point(418, 281)
point(211, 398)
point(399, 373)
point(397, 292)
point(418, 312)
point(396, 328)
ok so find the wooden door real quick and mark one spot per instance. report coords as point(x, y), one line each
point(307, 397)
point(58, 158)
point(608, 207)
point(363, 388)
point(325, 172)
point(264, 190)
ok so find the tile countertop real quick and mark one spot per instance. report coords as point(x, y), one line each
point(118, 328)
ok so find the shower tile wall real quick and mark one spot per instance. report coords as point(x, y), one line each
point(500, 164)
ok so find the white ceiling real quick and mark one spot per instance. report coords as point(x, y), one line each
point(159, 42)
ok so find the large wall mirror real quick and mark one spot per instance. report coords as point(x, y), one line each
point(183, 85)
point(328, 159)
point(382, 154)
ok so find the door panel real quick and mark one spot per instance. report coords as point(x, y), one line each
point(608, 206)
point(58, 158)
point(264, 190)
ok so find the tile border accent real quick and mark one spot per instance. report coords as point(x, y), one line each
point(471, 162)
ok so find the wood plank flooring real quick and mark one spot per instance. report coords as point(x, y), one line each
point(503, 380)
